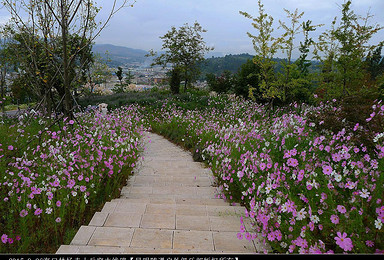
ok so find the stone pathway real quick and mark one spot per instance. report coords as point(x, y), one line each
point(168, 206)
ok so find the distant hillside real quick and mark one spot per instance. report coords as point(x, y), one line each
point(119, 55)
point(232, 63)
point(217, 65)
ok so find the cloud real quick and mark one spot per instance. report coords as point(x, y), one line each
point(142, 25)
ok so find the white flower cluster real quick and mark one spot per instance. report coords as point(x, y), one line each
point(377, 137)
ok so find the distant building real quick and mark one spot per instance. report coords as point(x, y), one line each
point(160, 80)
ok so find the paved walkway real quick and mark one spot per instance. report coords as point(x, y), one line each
point(168, 206)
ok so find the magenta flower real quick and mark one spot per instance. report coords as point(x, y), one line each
point(301, 242)
point(336, 157)
point(369, 243)
point(58, 220)
point(10, 147)
point(38, 211)
point(58, 203)
point(239, 236)
point(262, 166)
point(343, 241)
point(23, 213)
point(271, 236)
point(292, 162)
point(4, 238)
point(335, 219)
point(327, 170)
point(341, 209)
point(248, 236)
point(278, 235)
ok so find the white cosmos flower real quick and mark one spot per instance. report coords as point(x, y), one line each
point(364, 193)
point(315, 219)
point(301, 214)
point(48, 210)
point(378, 224)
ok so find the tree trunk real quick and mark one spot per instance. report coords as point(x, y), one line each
point(48, 103)
point(185, 85)
point(64, 33)
point(185, 82)
point(3, 75)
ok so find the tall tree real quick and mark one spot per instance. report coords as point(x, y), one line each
point(5, 63)
point(265, 46)
point(326, 51)
point(55, 22)
point(303, 63)
point(287, 46)
point(129, 77)
point(248, 78)
point(375, 63)
point(119, 88)
point(174, 80)
point(119, 74)
point(184, 50)
point(351, 38)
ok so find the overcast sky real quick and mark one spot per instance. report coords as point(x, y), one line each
point(141, 26)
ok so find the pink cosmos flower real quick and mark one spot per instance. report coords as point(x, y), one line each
point(4, 238)
point(336, 157)
point(356, 127)
point(56, 183)
point(335, 219)
point(278, 235)
point(343, 241)
point(23, 213)
point(311, 226)
point(301, 242)
point(38, 211)
point(262, 166)
point(292, 162)
point(341, 209)
point(369, 243)
point(327, 170)
point(10, 147)
point(271, 236)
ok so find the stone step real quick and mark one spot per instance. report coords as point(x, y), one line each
point(205, 207)
point(169, 206)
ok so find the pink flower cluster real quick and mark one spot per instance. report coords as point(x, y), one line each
point(56, 179)
point(305, 191)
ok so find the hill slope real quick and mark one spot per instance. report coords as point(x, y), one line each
point(119, 55)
